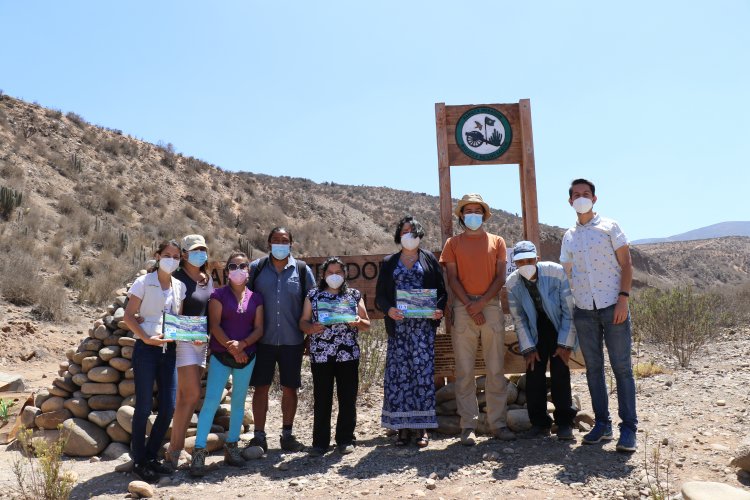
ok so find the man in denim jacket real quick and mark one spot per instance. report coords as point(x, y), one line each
point(541, 305)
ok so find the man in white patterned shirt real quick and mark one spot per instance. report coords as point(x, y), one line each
point(597, 254)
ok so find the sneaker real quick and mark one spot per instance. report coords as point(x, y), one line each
point(536, 431)
point(290, 443)
point(601, 432)
point(468, 438)
point(504, 434)
point(159, 467)
point(345, 449)
point(316, 452)
point(233, 455)
point(146, 473)
point(258, 441)
point(172, 459)
point(198, 463)
point(565, 433)
point(627, 440)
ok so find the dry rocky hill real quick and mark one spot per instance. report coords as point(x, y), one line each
point(96, 201)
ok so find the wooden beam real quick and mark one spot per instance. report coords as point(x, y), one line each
point(528, 179)
point(444, 173)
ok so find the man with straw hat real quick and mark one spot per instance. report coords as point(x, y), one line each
point(475, 262)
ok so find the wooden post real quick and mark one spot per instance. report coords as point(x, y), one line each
point(444, 172)
point(528, 176)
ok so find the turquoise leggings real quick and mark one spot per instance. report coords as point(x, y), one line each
point(218, 375)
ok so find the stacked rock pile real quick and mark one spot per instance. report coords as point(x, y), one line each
point(518, 417)
point(93, 397)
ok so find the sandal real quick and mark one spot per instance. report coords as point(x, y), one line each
point(424, 439)
point(403, 437)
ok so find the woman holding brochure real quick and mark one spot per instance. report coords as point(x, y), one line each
point(235, 322)
point(332, 316)
point(154, 357)
point(191, 356)
point(411, 293)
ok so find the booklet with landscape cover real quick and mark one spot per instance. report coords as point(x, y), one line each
point(331, 312)
point(185, 328)
point(417, 302)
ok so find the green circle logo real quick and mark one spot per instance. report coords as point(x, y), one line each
point(483, 133)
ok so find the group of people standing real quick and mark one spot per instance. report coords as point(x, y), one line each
point(262, 317)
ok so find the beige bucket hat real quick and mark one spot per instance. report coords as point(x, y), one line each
point(473, 198)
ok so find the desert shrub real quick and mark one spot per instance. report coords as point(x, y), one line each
point(76, 119)
point(733, 304)
point(40, 474)
point(372, 348)
point(66, 205)
point(681, 319)
point(103, 276)
point(111, 199)
point(20, 283)
point(52, 302)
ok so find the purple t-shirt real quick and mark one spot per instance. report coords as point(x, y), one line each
point(237, 322)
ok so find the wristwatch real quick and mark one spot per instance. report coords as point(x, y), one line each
point(624, 294)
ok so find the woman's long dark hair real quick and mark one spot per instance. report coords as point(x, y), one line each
point(322, 285)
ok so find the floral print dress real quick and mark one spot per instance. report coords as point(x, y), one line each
point(409, 385)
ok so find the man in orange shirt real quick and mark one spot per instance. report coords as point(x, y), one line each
point(475, 261)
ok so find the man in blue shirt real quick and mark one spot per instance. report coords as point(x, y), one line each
point(283, 282)
point(598, 255)
point(541, 305)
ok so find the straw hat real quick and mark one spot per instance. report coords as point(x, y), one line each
point(473, 198)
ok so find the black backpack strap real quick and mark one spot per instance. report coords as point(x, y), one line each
point(254, 274)
point(302, 273)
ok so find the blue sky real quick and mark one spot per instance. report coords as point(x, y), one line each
point(650, 100)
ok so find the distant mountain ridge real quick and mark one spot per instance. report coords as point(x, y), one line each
point(720, 230)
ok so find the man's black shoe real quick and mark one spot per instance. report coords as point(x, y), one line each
point(146, 473)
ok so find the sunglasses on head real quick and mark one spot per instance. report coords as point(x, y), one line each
point(234, 267)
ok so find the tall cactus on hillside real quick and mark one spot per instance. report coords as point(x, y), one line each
point(9, 200)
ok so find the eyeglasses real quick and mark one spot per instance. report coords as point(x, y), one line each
point(234, 267)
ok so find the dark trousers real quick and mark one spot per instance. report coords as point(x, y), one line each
point(346, 376)
point(536, 381)
point(151, 363)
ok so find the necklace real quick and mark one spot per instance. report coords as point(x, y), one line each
point(408, 258)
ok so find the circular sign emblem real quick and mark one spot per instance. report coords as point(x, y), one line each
point(483, 133)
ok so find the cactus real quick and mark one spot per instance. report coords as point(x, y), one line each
point(76, 162)
point(9, 200)
point(245, 246)
point(124, 240)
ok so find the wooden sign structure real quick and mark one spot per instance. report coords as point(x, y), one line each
point(464, 138)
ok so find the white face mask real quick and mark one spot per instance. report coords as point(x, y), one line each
point(583, 205)
point(409, 241)
point(527, 271)
point(334, 281)
point(168, 264)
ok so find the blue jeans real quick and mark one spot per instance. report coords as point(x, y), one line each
point(151, 363)
point(595, 328)
point(218, 374)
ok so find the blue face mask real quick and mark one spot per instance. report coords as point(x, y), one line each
point(197, 257)
point(280, 251)
point(473, 221)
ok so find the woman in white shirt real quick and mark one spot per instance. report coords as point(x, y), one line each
point(153, 357)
